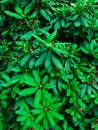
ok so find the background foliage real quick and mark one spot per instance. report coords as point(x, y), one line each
point(49, 65)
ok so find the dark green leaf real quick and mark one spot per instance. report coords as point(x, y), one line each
point(56, 62)
point(44, 14)
point(13, 14)
point(41, 59)
point(48, 60)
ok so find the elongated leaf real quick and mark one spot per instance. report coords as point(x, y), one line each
point(31, 63)
point(57, 25)
point(3, 1)
point(55, 106)
point(27, 35)
point(56, 115)
point(30, 81)
point(84, 50)
point(37, 97)
point(50, 118)
point(27, 91)
point(92, 45)
point(95, 86)
point(41, 59)
point(25, 59)
point(68, 92)
point(39, 39)
point(83, 91)
point(44, 14)
point(45, 123)
point(13, 14)
point(18, 9)
point(89, 89)
point(28, 8)
point(45, 94)
point(36, 76)
point(81, 103)
point(21, 118)
point(40, 116)
point(6, 77)
point(33, 15)
point(45, 79)
point(52, 36)
point(48, 60)
point(49, 86)
point(56, 62)
point(62, 22)
point(36, 111)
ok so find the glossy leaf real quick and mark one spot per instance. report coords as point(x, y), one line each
point(27, 91)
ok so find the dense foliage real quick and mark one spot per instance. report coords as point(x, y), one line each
point(49, 65)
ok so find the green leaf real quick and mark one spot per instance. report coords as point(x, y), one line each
point(27, 35)
point(37, 106)
point(33, 15)
point(48, 60)
point(37, 97)
point(4, 1)
point(95, 86)
point(85, 51)
point(39, 39)
point(55, 106)
point(84, 21)
point(40, 116)
point(45, 123)
point(49, 86)
point(25, 59)
point(45, 94)
point(85, 69)
point(16, 89)
point(28, 8)
point(5, 77)
point(95, 111)
point(13, 14)
point(41, 59)
point(56, 62)
point(21, 118)
point(52, 36)
point(62, 22)
point(83, 91)
point(36, 111)
point(44, 14)
point(45, 79)
point(77, 23)
point(18, 9)
point(27, 91)
point(36, 76)
point(31, 63)
point(81, 103)
point(3, 103)
point(2, 96)
point(56, 115)
point(21, 112)
point(30, 81)
point(68, 92)
point(50, 118)
point(89, 89)
point(57, 25)
point(92, 45)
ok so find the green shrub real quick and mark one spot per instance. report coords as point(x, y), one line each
point(49, 65)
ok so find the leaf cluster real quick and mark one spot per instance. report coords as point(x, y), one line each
point(49, 65)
